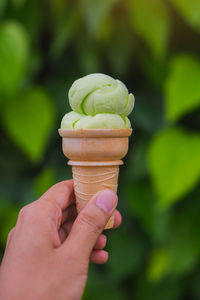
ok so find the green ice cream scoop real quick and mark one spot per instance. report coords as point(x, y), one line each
point(74, 120)
point(100, 93)
point(98, 101)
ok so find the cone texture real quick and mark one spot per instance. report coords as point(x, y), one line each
point(88, 180)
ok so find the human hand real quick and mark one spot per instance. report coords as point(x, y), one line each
point(48, 251)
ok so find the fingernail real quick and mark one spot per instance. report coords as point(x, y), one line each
point(106, 200)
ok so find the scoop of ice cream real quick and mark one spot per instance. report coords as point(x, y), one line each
point(100, 93)
point(98, 101)
point(69, 120)
point(74, 120)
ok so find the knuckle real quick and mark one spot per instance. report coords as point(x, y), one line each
point(22, 212)
point(54, 211)
point(26, 212)
point(90, 221)
point(48, 206)
point(10, 234)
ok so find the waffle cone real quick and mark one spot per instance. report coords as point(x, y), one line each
point(95, 156)
point(90, 179)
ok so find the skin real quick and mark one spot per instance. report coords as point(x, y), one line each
point(48, 251)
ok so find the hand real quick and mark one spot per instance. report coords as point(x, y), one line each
point(48, 251)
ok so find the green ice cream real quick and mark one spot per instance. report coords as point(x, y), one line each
point(98, 101)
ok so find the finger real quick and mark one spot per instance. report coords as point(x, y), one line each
point(10, 236)
point(64, 230)
point(67, 227)
point(99, 256)
point(62, 235)
point(117, 219)
point(101, 242)
point(69, 214)
point(55, 200)
point(61, 194)
point(90, 223)
point(42, 218)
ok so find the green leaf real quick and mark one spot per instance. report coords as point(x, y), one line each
point(58, 8)
point(95, 12)
point(2, 6)
point(184, 242)
point(168, 289)
point(150, 20)
point(8, 217)
point(174, 163)
point(190, 11)
point(106, 30)
point(143, 210)
point(120, 48)
point(154, 69)
point(44, 181)
point(130, 254)
point(182, 87)
point(103, 287)
point(89, 56)
point(194, 284)
point(18, 3)
point(29, 122)
point(14, 51)
point(158, 265)
point(141, 203)
point(137, 160)
point(63, 33)
point(148, 112)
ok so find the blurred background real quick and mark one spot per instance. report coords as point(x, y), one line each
point(153, 46)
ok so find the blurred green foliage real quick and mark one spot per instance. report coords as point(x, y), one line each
point(153, 47)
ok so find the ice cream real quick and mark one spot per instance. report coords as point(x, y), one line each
point(95, 134)
point(98, 101)
point(74, 120)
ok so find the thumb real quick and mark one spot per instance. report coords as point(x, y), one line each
point(91, 222)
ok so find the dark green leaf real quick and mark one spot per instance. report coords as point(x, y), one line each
point(127, 256)
point(64, 32)
point(29, 122)
point(142, 205)
point(137, 160)
point(121, 48)
point(148, 111)
point(59, 8)
point(95, 12)
point(184, 242)
point(190, 11)
point(168, 289)
point(89, 56)
point(2, 6)
point(159, 265)
point(8, 217)
point(103, 287)
point(18, 3)
point(44, 181)
point(150, 19)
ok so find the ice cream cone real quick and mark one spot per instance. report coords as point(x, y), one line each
point(91, 178)
point(95, 156)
